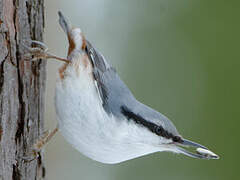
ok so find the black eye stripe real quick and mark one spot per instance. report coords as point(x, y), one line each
point(151, 126)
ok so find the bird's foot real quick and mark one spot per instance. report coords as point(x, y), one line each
point(39, 145)
point(35, 150)
point(35, 53)
point(40, 52)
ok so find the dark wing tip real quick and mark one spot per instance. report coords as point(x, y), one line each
point(66, 26)
point(60, 13)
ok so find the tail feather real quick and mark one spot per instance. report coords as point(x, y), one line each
point(66, 26)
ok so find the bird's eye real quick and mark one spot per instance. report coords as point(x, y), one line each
point(158, 130)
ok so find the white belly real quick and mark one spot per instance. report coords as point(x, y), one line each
point(85, 124)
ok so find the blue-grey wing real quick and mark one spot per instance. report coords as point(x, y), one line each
point(118, 100)
point(110, 86)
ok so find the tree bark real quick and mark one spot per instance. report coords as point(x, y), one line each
point(22, 89)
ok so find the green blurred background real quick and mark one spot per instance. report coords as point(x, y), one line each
point(179, 57)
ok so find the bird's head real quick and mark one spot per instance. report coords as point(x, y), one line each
point(159, 132)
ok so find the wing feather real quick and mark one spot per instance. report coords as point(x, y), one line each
point(100, 67)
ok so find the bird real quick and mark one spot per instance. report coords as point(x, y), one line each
point(98, 114)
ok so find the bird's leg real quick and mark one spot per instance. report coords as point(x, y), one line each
point(40, 143)
point(44, 139)
point(35, 53)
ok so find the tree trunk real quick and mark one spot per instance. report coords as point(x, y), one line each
point(22, 88)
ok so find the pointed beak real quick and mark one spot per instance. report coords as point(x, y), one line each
point(66, 26)
point(199, 151)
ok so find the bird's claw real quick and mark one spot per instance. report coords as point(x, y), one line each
point(35, 53)
point(33, 156)
point(36, 148)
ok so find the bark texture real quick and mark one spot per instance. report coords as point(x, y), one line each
point(22, 86)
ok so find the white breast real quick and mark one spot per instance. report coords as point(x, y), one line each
point(85, 124)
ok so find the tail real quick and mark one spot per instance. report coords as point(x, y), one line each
point(66, 26)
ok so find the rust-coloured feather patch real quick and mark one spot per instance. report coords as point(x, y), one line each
point(62, 70)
